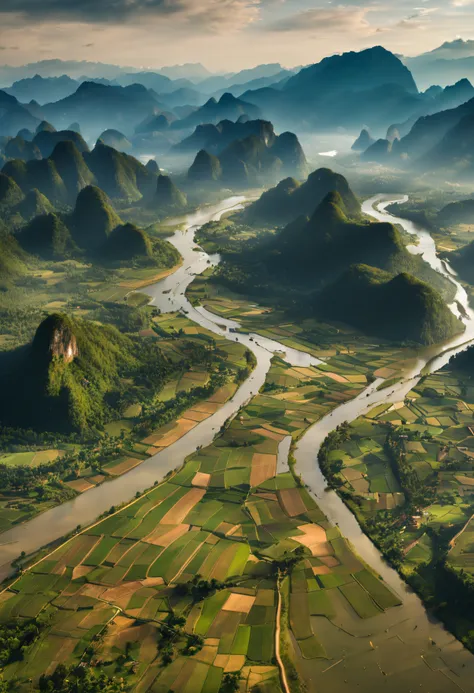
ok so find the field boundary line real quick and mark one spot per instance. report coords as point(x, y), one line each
point(281, 666)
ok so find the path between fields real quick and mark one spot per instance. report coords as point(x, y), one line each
point(281, 666)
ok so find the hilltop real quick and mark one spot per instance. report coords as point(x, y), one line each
point(400, 308)
point(67, 371)
point(290, 199)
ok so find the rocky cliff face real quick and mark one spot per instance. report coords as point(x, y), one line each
point(55, 339)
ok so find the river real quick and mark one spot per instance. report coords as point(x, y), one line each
point(169, 295)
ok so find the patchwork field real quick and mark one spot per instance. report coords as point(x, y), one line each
point(124, 445)
point(179, 589)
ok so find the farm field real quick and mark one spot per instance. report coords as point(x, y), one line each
point(178, 590)
point(125, 444)
point(407, 471)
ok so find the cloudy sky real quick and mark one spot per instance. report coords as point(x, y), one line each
point(223, 34)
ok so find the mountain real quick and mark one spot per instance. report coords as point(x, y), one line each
point(35, 204)
point(19, 148)
point(167, 196)
point(93, 219)
point(100, 107)
point(218, 82)
point(118, 174)
point(227, 108)
point(127, 242)
point(43, 89)
point(66, 372)
point(55, 68)
point(10, 193)
point(47, 236)
point(348, 90)
point(205, 168)
point(42, 175)
point(290, 199)
point(455, 150)
point(325, 245)
point(46, 140)
point(252, 160)
point(449, 62)
point(311, 252)
point(153, 81)
point(12, 261)
point(115, 139)
point(400, 308)
point(185, 96)
point(71, 167)
point(66, 171)
point(14, 116)
point(463, 260)
point(461, 212)
point(215, 138)
point(157, 122)
point(44, 126)
point(363, 142)
point(192, 71)
point(378, 152)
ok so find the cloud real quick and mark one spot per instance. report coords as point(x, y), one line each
point(208, 14)
point(321, 20)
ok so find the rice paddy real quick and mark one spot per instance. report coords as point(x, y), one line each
point(230, 519)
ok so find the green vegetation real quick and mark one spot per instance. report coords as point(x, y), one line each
point(180, 585)
point(290, 199)
point(47, 236)
point(407, 472)
point(401, 308)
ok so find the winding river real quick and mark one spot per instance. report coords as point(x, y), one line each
point(169, 295)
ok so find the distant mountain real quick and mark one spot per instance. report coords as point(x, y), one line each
point(154, 81)
point(290, 199)
point(227, 108)
point(101, 107)
point(351, 89)
point(448, 63)
point(378, 152)
point(252, 160)
point(115, 139)
point(168, 197)
point(43, 89)
point(185, 96)
point(461, 212)
point(119, 174)
point(66, 171)
point(400, 308)
point(192, 71)
point(363, 142)
point(14, 116)
point(206, 168)
point(463, 259)
point(18, 148)
point(46, 140)
point(215, 138)
point(79, 70)
point(218, 82)
point(275, 81)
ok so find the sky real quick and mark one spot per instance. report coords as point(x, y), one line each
point(224, 35)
